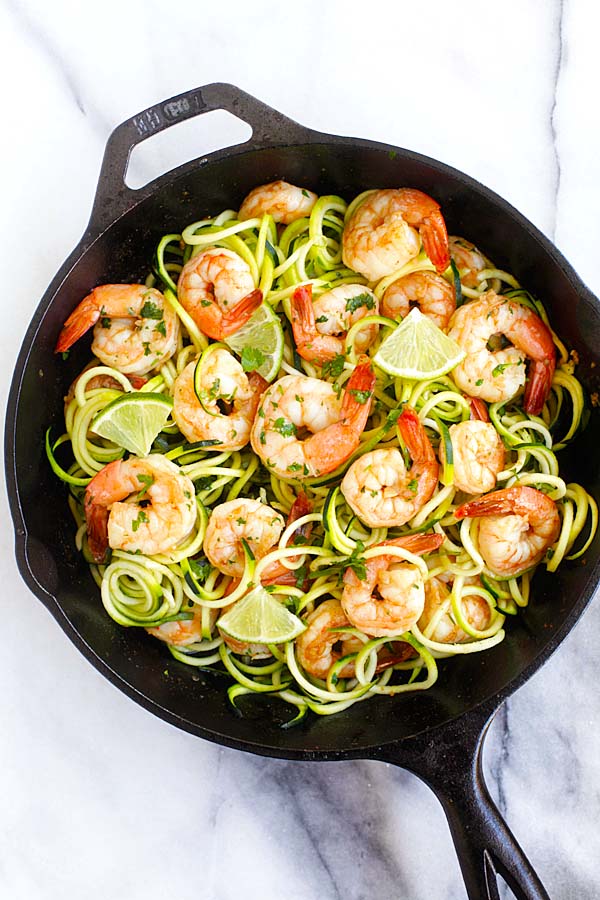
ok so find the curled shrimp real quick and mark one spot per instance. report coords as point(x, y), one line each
point(469, 261)
point(391, 596)
point(518, 524)
point(284, 201)
point(446, 631)
point(381, 490)
point(234, 522)
point(477, 452)
point(320, 327)
point(135, 329)
point(319, 647)
point(297, 404)
point(183, 632)
point(229, 400)
point(141, 504)
point(217, 289)
point(498, 375)
point(385, 232)
point(430, 292)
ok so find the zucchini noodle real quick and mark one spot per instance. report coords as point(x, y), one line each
point(180, 593)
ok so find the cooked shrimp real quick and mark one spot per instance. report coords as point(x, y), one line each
point(135, 328)
point(230, 399)
point(319, 647)
point(478, 455)
point(518, 525)
point(386, 229)
point(236, 521)
point(498, 375)
point(430, 292)
point(469, 261)
point(391, 597)
point(320, 327)
point(100, 382)
point(446, 631)
point(285, 202)
point(158, 513)
point(297, 404)
point(182, 632)
point(379, 488)
point(217, 289)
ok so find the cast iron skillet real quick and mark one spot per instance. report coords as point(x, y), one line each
point(437, 734)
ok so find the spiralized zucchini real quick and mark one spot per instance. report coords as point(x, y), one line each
point(146, 592)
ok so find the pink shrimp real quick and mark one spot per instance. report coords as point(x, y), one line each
point(391, 596)
point(321, 338)
point(381, 490)
point(217, 289)
point(518, 524)
point(297, 403)
point(135, 328)
point(380, 235)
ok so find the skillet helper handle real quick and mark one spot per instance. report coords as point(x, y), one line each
point(114, 198)
point(450, 763)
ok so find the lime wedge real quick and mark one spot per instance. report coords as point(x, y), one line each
point(262, 339)
point(133, 420)
point(258, 618)
point(418, 350)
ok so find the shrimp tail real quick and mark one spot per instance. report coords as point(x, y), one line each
point(311, 345)
point(479, 411)
point(435, 240)
point(303, 315)
point(519, 500)
point(541, 373)
point(233, 320)
point(99, 495)
point(83, 317)
point(415, 437)
point(356, 404)
point(419, 544)
point(280, 574)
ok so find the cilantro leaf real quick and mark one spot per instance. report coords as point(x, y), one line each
point(200, 568)
point(361, 396)
point(151, 310)
point(252, 359)
point(359, 300)
point(285, 428)
point(334, 367)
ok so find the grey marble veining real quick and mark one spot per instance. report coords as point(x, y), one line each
point(99, 798)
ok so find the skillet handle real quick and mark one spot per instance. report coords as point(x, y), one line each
point(449, 762)
point(114, 198)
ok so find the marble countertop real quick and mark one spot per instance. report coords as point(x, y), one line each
point(99, 798)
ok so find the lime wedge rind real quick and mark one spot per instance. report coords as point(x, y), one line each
point(258, 618)
point(418, 350)
point(134, 420)
point(262, 332)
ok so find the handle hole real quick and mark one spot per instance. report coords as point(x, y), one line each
point(183, 142)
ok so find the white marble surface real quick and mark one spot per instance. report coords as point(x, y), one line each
point(99, 798)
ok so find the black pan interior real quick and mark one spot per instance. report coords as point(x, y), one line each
point(195, 700)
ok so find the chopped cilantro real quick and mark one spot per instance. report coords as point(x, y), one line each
point(361, 396)
point(413, 485)
point(359, 300)
point(252, 359)
point(200, 569)
point(142, 517)
point(146, 346)
point(240, 520)
point(499, 369)
point(305, 193)
point(151, 310)
point(263, 437)
point(105, 322)
point(205, 303)
point(294, 467)
point(65, 354)
point(215, 388)
point(479, 382)
point(334, 367)
point(321, 320)
point(161, 328)
point(147, 481)
point(285, 428)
